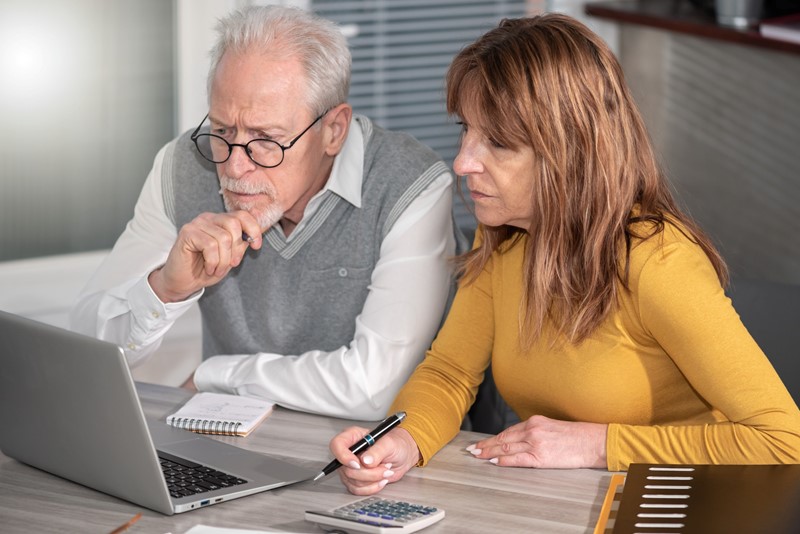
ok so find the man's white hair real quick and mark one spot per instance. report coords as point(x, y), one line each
point(283, 32)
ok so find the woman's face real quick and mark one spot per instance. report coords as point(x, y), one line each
point(500, 179)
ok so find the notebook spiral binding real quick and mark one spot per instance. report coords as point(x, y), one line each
point(206, 426)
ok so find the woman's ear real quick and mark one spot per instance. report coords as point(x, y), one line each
point(336, 125)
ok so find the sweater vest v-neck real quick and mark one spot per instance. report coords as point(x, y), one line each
point(304, 294)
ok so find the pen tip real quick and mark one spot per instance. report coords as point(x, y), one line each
point(319, 476)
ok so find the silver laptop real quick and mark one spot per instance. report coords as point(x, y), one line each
point(68, 406)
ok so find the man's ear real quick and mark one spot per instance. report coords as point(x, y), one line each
point(336, 126)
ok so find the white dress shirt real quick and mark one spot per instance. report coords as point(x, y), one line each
point(401, 315)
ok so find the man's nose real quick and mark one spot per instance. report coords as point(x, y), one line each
point(239, 163)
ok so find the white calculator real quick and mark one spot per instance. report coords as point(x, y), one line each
point(376, 515)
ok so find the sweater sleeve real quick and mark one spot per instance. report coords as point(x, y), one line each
point(685, 310)
point(443, 387)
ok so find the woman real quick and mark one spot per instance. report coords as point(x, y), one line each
point(599, 304)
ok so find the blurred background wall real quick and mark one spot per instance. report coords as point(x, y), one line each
point(92, 88)
point(86, 98)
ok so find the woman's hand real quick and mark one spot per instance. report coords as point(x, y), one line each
point(546, 443)
point(386, 461)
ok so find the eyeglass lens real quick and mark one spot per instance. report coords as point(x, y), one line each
point(264, 152)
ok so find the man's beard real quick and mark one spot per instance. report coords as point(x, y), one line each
point(266, 214)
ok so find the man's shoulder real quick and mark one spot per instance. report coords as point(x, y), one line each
point(185, 158)
point(396, 147)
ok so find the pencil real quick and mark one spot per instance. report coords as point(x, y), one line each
point(126, 526)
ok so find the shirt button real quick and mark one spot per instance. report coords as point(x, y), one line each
point(342, 272)
point(131, 346)
point(156, 315)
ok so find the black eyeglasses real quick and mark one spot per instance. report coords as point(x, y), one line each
point(263, 152)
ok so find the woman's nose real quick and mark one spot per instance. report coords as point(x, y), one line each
point(468, 160)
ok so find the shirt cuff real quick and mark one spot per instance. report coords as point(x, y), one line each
point(237, 374)
point(214, 374)
point(151, 317)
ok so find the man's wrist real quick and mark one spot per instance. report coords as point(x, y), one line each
point(156, 282)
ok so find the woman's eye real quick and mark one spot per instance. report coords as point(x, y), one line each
point(462, 134)
point(496, 144)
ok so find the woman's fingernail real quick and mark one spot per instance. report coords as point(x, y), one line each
point(387, 466)
point(383, 482)
point(494, 461)
point(475, 451)
point(387, 473)
point(354, 465)
point(367, 459)
point(470, 447)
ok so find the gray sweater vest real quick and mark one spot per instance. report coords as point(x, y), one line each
point(289, 298)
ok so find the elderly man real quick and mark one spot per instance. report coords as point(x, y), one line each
point(315, 242)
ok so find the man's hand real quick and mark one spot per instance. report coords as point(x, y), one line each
point(189, 384)
point(207, 249)
point(386, 461)
point(546, 443)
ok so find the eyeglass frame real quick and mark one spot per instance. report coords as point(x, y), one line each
point(196, 134)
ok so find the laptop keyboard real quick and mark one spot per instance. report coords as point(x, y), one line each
point(185, 477)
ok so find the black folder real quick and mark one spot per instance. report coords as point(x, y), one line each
point(708, 499)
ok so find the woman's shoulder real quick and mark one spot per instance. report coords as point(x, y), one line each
point(659, 241)
point(665, 228)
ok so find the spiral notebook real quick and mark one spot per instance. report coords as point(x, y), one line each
point(219, 413)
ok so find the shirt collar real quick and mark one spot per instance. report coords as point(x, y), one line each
point(347, 172)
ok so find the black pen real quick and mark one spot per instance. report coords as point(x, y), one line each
point(365, 442)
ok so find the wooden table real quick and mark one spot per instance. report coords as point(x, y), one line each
point(476, 495)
